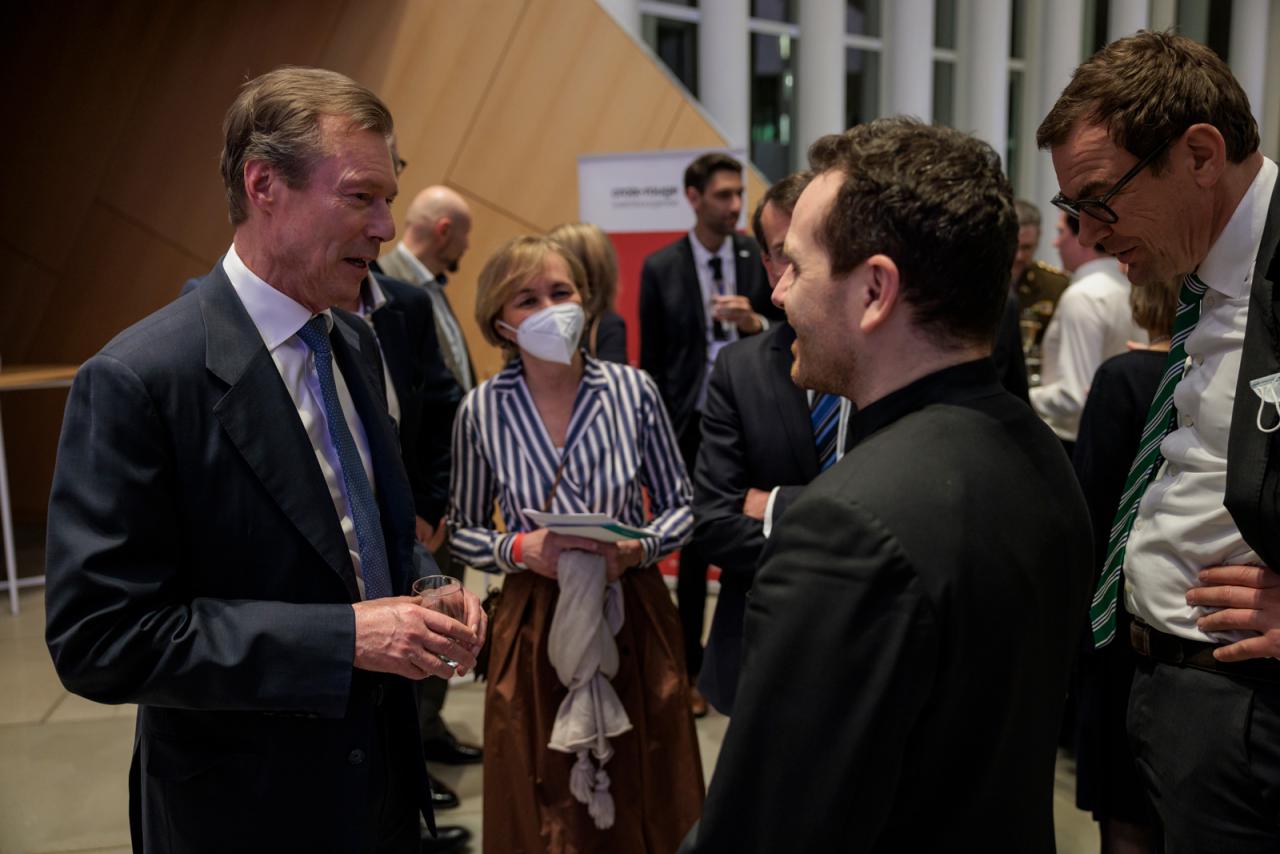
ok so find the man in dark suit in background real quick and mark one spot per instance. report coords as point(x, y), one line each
point(763, 439)
point(1156, 151)
point(911, 628)
point(697, 295)
point(231, 521)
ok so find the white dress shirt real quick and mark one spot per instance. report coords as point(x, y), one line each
point(447, 327)
point(706, 284)
point(1182, 525)
point(278, 319)
point(1093, 322)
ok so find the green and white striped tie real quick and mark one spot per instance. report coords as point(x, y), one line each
point(1161, 419)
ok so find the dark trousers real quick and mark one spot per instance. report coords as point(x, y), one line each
point(1207, 746)
point(691, 583)
point(431, 691)
point(393, 811)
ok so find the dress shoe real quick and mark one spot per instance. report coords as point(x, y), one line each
point(449, 838)
point(697, 702)
point(448, 750)
point(442, 797)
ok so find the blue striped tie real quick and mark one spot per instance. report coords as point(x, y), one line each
point(364, 508)
point(1161, 418)
point(825, 416)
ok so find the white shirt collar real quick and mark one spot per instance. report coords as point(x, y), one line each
point(1228, 268)
point(277, 317)
point(418, 267)
point(1107, 264)
point(702, 255)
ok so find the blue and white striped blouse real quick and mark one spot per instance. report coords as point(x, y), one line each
point(619, 439)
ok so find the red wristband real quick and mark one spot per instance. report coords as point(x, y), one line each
point(517, 548)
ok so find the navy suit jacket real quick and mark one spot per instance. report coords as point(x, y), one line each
point(196, 567)
point(756, 433)
point(673, 320)
point(427, 390)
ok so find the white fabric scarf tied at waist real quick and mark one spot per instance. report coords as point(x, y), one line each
point(583, 652)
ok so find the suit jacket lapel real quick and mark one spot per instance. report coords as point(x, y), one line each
point(1249, 450)
point(262, 422)
point(689, 283)
point(393, 335)
point(792, 402)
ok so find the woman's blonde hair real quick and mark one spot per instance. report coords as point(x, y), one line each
point(595, 251)
point(1154, 307)
point(515, 263)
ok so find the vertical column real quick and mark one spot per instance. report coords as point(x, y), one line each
point(626, 13)
point(908, 48)
point(820, 77)
point(1248, 50)
point(1164, 14)
point(724, 68)
point(1271, 92)
point(985, 68)
point(1126, 17)
point(1061, 46)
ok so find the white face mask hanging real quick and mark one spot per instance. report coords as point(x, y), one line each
point(551, 333)
point(1267, 388)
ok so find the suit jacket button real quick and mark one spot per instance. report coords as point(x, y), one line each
point(356, 756)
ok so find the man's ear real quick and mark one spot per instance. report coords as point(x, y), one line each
point(881, 291)
point(261, 184)
point(442, 228)
point(1208, 152)
point(692, 195)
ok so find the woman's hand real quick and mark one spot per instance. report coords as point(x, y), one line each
point(540, 550)
point(619, 557)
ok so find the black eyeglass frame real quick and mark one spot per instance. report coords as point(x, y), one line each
point(1097, 206)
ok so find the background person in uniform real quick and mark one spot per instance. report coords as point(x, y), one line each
point(1036, 285)
point(1156, 150)
point(231, 520)
point(559, 430)
point(696, 295)
point(909, 635)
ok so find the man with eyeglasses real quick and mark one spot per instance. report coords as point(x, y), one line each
point(1156, 152)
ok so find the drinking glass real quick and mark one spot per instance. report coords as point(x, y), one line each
point(444, 594)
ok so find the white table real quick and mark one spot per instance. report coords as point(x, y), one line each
point(22, 378)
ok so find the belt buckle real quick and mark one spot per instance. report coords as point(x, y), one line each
point(1140, 638)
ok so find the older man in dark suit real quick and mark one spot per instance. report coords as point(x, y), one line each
point(912, 625)
point(1156, 151)
point(697, 295)
point(231, 522)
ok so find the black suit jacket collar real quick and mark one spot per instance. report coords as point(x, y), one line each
point(261, 421)
point(956, 384)
point(791, 401)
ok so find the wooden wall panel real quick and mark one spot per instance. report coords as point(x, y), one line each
point(110, 282)
point(572, 83)
point(69, 81)
point(165, 173)
point(25, 290)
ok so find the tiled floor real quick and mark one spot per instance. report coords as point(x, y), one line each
point(64, 760)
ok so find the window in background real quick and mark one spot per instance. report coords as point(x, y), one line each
point(1014, 148)
point(1207, 22)
point(782, 11)
point(676, 43)
point(862, 85)
point(862, 18)
point(1017, 29)
point(944, 62)
point(772, 102)
point(1014, 152)
point(1097, 14)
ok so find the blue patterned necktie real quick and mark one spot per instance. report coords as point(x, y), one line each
point(824, 413)
point(364, 508)
point(1161, 419)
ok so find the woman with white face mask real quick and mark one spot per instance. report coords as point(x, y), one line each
point(558, 430)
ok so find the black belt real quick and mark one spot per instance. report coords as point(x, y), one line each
point(1181, 652)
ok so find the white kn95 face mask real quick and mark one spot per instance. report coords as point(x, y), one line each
point(551, 333)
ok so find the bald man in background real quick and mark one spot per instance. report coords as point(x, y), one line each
point(437, 233)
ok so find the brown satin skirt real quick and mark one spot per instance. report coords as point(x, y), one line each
point(656, 771)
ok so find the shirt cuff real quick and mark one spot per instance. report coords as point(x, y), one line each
point(502, 556)
point(764, 326)
point(768, 511)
